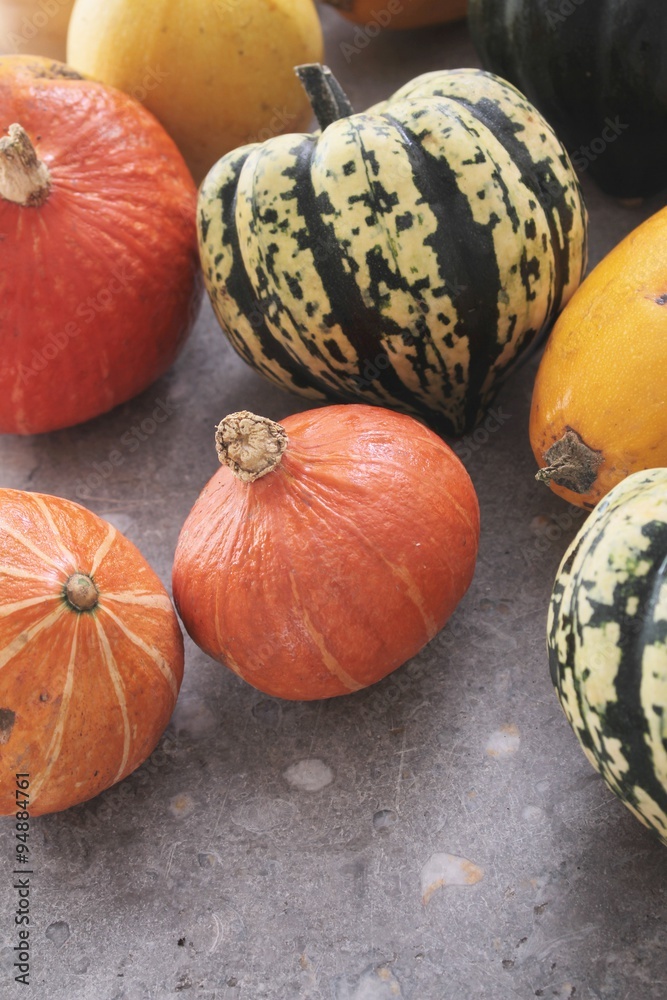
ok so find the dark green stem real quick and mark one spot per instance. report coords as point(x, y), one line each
point(329, 100)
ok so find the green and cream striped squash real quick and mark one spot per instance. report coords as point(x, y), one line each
point(607, 641)
point(403, 257)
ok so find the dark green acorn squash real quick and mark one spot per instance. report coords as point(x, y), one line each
point(607, 641)
point(597, 70)
point(403, 257)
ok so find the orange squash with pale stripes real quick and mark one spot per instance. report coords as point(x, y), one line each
point(91, 653)
point(327, 550)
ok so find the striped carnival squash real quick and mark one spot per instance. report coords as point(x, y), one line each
point(91, 653)
point(607, 641)
point(403, 257)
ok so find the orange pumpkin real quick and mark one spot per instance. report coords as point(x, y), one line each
point(91, 653)
point(327, 550)
point(398, 14)
point(99, 270)
point(599, 410)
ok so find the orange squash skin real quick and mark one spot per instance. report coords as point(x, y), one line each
point(340, 564)
point(404, 14)
point(90, 692)
point(604, 370)
point(100, 284)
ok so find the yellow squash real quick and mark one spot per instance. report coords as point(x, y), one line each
point(398, 14)
point(216, 73)
point(599, 409)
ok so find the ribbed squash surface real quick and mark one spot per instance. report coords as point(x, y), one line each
point(607, 638)
point(402, 257)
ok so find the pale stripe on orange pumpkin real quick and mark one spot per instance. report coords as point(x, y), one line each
point(117, 682)
point(413, 592)
point(328, 659)
point(20, 641)
point(150, 651)
point(103, 550)
point(465, 516)
point(415, 595)
point(55, 746)
point(232, 664)
point(30, 602)
point(20, 574)
point(22, 540)
point(57, 537)
point(160, 601)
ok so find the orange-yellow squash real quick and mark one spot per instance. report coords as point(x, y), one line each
point(599, 410)
point(216, 73)
point(399, 14)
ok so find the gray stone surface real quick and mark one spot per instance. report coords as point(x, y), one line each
point(272, 850)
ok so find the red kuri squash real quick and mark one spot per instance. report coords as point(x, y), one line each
point(99, 269)
point(327, 550)
point(91, 653)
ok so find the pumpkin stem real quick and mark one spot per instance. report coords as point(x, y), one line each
point(81, 593)
point(571, 463)
point(24, 178)
point(251, 446)
point(329, 100)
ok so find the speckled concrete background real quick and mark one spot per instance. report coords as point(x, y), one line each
point(274, 850)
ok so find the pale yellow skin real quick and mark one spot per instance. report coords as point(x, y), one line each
point(34, 27)
point(216, 73)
